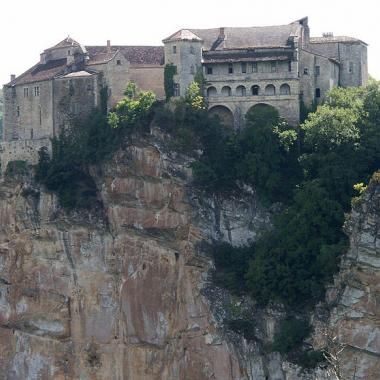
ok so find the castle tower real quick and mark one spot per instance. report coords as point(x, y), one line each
point(184, 50)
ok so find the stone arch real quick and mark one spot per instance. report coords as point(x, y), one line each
point(285, 89)
point(241, 91)
point(224, 114)
point(255, 90)
point(211, 91)
point(226, 91)
point(262, 114)
point(270, 90)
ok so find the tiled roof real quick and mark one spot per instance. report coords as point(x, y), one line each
point(41, 72)
point(98, 56)
point(67, 42)
point(237, 38)
point(77, 74)
point(183, 34)
point(333, 39)
point(136, 55)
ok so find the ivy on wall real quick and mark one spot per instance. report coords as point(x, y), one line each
point(169, 72)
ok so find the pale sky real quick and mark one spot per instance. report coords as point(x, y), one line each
point(27, 27)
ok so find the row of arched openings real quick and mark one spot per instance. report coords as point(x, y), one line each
point(255, 90)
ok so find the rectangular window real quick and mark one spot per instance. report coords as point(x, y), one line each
point(273, 67)
point(230, 68)
point(26, 92)
point(243, 67)
point(351, 67)
point(209, 70)
point(290, 66)
point(317, 71)
point(36, 91)
point(176, 89)
point(118, 62)
point(305, 71)
point(174, 49)
point(192, 49)
point(18, 111)
point(317, 92)
point(254, 67)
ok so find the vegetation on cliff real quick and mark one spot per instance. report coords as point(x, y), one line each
point(311, 170)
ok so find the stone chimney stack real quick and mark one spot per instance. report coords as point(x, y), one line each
point(13, 77)
point(222, 35)
point(108, 46)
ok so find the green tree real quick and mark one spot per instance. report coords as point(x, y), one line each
point(292, 263)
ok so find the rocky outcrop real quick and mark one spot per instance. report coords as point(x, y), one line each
point(355, 296)
point(123, 292)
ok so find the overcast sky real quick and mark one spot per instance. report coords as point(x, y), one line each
point(30, 26)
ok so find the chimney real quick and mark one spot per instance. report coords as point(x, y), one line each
point(108, 46)
point(222, 36)
point(13, 77)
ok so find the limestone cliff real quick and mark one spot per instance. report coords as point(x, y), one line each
point(124, 292)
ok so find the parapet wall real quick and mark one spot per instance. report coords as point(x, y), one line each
point(24, 150)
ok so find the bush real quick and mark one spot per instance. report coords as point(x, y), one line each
point(16, 168)
point(290, 336)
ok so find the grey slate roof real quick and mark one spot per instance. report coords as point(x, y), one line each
point(249, 37)
point(333, 39)
point(136, 55)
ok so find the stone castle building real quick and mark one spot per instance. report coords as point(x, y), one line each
point(281, 66)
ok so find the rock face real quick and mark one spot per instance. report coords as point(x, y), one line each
point(120, 294)
point(355, 298)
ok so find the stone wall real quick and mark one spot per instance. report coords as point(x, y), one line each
point(148, 78)
point(187, 59)
point(28, 113)
point(353, 58)
point(287, 105)
point(75, 97)
point(25, 150)
point(310, 80)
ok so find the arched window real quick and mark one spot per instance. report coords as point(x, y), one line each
point(255, 90)
point(240, 91)
point(285, 89)
point(211, 91)
point(270, 90)
point(226, 91)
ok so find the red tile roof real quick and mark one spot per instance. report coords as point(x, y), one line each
point(41, 72)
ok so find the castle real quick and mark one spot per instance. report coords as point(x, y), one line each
point(281, 66)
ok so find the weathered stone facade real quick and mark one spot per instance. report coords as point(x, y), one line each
point(280, 66)
point(67, 81)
